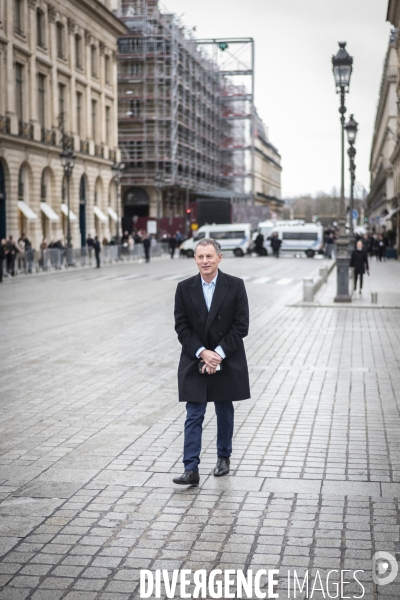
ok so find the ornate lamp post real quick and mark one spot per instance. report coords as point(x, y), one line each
point(342, 67)
point(68, 163)
point(351, 130)
point(117, 169)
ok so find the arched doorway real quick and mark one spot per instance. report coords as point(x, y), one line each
point(136, 203)
point(82, 210)
point(3, 227)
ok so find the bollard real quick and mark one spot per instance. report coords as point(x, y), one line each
point(323, 273)
point(308, 289)
point(374, 297)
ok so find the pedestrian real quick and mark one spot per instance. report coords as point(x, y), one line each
point(21, 255)
point(43, 257)
point(12, 252)
point(359, 261)
point(275, 244)
point(172, 245)
point(90, 245)
point(211, 320)
point(3, 257)
point(29, 253)
point(146, 247)
point(329, 243)
point(97, 250)
point(259, 244)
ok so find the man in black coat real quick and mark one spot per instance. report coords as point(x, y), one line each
point(97, 250)
point(359, 260)
point(211, 320)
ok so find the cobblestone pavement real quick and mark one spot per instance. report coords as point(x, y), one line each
point(91, 435)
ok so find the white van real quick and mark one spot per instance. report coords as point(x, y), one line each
point(307, 238)
point(235, 237)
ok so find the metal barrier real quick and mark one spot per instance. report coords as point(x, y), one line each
point(33, 261)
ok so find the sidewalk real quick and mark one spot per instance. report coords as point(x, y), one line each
point(384, 280)
point(91, 435)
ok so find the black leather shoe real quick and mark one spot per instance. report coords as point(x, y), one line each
point(188, 478)
point(222, 466)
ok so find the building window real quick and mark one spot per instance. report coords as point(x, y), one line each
point(78, 52)
point(42, 100)
point(19, 16)
point(61, 105)
point(107, 69)
point(108, 125)
point(93, 60)
point(94, 120)
point(134, 108)
point(19, 91)
point(60, 40)
point(40, 28)
point(79, 113)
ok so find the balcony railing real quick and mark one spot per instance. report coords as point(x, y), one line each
point(48, 136)
point(5, 126)
point(84, 147)
point(99, 151)
point(25, 130)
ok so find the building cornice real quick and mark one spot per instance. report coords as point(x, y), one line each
point(393, 12)
point(101, 13)
point(268, 158)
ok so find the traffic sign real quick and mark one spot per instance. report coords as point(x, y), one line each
point(355, 214)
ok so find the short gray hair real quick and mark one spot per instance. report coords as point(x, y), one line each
point(210, 242)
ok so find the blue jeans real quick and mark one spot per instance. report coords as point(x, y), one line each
point(195, 412)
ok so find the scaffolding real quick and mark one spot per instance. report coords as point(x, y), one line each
point(184, 121)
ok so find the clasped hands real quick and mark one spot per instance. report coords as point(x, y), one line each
point(211, 361)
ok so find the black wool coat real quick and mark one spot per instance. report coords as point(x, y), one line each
point(359, 260)
point(225, 325)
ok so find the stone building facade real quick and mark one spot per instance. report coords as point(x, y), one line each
point(58, 71)
point(267, 172)
point(381, 198)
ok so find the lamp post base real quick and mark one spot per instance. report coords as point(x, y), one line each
point(342, 269)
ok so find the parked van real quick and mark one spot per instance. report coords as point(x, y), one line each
point(307, 238)
point(235, 237)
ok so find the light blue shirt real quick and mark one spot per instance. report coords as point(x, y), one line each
point(208, 292)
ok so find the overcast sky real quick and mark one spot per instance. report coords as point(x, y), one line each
point(295, 93)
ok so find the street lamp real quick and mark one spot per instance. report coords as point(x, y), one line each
point(351, 130)
point(342, 64)
point(68, 163)
point(117, 169)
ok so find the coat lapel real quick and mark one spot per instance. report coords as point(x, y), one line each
point(220, 292)
point(197, 296)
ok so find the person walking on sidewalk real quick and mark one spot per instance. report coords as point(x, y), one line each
point(3, 257)
point(275, 244)
point(146, 247)
point(211, 320)
point(97, 250)
point(359, 261)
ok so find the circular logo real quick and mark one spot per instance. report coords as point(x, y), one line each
point(384, 568)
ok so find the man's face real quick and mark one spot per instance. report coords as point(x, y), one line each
point(359, 245)
point(207, 261)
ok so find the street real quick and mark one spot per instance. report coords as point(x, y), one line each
point(91, 435)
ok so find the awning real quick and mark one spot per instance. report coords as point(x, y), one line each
point(100, 215)
point(27, 211)
point(112, 214)
point(64, 210)
point(49, 212)
point(390, 214)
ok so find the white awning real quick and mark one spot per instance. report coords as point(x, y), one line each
point(27, 211)
point(64, 210)
point(112, 214)
point(100, 215)
point(49, 212)
point(390, 214)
